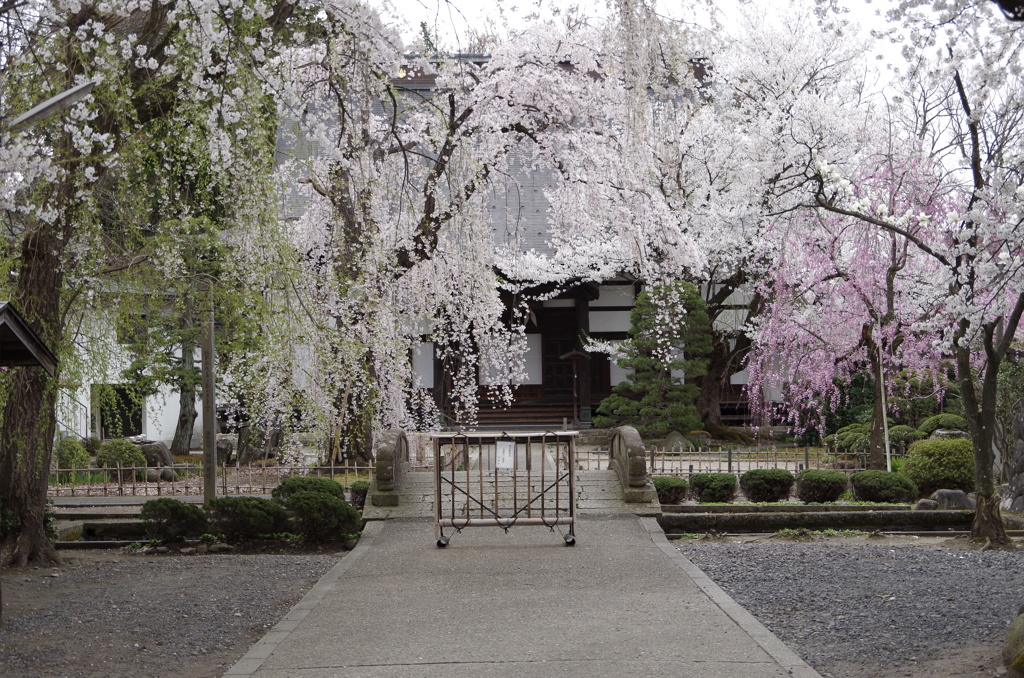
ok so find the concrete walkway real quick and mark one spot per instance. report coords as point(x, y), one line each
point(622, 602)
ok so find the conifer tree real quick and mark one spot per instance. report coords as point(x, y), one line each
point(670, 333)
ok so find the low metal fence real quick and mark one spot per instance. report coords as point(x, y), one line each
point(187, 479)
point(662, 461)
point(504, 479)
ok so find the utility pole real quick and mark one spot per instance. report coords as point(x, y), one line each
point(209, 409)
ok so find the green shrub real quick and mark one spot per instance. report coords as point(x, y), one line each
point(946, 464)
point(950, 421)
point(359, 489)
point(852, 441)
point(713, 487)
point(247, 517)
point(816, 486)
point(293, 484)
point(120, 453)
point(71, 454)
point(671, 489)
point(767, 484)
point(323, 517)
point(883, 487)
point(92, 445)
point(167, 519)
point(901, 436)
point(855, 428)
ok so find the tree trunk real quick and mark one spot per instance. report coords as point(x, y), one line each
point(187, 415)
point(29, 422)
point(709, 399)
point(186, 392)
point(876, 441)
point(981, 415)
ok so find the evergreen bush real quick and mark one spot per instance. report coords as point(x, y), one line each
point(767, 484)
point(323, 517)
point(902, 436)
point(71, 454)
point(247, 517)
point(852, 441)
point(671, 489)
point(120, 453)
point(883, 487)
point(359, 490)
point(167, 519)
point(293, 484)
point(713, 487)
point(946, 464)
point(818, 486)
point(664, 320)
point(947, 421)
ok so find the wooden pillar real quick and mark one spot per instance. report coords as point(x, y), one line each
point(585, 371)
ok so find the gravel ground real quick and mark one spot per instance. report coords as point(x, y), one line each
point(113, 614)
point(852, 608)
point(855, 610)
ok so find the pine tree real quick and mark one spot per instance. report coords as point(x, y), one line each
point(670, 332)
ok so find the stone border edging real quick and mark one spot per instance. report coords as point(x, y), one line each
point(252, 660)
point(776, 649)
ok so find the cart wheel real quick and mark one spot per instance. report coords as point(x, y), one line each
point(442, 542)
point(570, 539)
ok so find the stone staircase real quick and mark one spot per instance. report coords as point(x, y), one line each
point(597, 493)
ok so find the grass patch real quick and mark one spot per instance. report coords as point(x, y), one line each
point(802, 533)
point(78, 478)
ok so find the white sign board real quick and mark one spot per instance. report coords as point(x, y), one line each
point(505, 454)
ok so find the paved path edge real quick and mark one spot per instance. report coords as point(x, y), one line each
point(768, 641)
point(252, 660)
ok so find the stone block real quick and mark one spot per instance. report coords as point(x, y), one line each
point(1013, 648)
point(953, 500)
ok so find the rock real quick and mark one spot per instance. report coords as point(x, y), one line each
point(187, 551)
point(157, 454)
point(169, 475)
point(152, 475)
point(949, 433)
point(842, 465)
point(677, 441)
point(953, 500)
point(1013, 648)
point(221, 548)
point(162, 549)
point(926, 505)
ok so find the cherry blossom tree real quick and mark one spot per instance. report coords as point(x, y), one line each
point(847, 299)
point(975, 302)
point(150, 64)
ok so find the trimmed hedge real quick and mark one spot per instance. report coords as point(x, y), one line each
point(946, 464)
point(247, 517)
point(293, 484)
point(818, 486)
point(71, 454)
point(767, 484)
point(359, 489)
point(168, 519)
point(671, 489)
point(951, 421)
point(713, 487)
point(121, 453)
point(883, 487)
point(901, 436)
point(323, 517)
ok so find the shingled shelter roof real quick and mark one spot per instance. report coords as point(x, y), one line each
point(19, 345)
